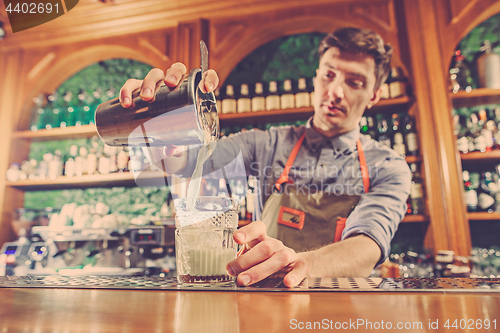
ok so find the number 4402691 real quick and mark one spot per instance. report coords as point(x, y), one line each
point(470, 324)
point(32, 8)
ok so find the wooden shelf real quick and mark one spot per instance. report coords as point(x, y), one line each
point(483, 216)
point(120, 179)
point(413, 159)
point(410, 218)
point(476, 97)
point(490, 156)
point(87, 131)
point(74, 132)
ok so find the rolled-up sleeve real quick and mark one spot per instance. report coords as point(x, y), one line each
point(380, 211)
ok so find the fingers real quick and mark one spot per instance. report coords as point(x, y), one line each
point(251, 234)
point(211, 81)
point(297, 274)
point(172, 150)
point(151, 83)
point(269, 264)
point(174, 74)
point(126, 92)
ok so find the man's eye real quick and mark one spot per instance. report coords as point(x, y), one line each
point(357, 83)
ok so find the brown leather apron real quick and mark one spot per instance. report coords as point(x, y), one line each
point(304, 219)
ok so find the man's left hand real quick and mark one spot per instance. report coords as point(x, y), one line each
point(262, 256)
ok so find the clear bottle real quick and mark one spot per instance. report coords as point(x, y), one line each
point(383, 136)
point(488, 67)
point(363, 126)
point(258, 100)
point(302, 97)
point(273, 97)
point(410, 137)
point(416, 191)
point(460, 74)
point(486, 192)
point(218, 100)
point(244, 103)
point(397, 87)
point(372, 128)
point(122, 160)
point(287, 99)
point(229, 101)
point(471, 199)
point(81, 162)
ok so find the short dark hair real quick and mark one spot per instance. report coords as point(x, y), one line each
point(364, 41)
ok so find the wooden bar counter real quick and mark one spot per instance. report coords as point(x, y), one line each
point(104, 310)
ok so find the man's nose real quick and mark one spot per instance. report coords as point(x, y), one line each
point(335, 90)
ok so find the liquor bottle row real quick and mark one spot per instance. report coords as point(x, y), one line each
point(98, 159)
point(254, 100)
point(61, 111)
point(411, 264)
point(243, 192)
point(396, 131)
point(289, 95)
point(482, 190)
point(416, 200)
point(477, 129)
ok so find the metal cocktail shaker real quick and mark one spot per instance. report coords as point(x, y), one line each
point(181, 116)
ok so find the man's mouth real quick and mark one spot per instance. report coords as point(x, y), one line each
point(333, 109)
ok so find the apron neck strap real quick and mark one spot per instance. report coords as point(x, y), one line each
point(284, 178)
point(284, 175)
point(363, 166)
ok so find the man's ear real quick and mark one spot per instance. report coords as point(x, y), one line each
point(375, 98)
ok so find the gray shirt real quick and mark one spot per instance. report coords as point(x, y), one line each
point(328, 164)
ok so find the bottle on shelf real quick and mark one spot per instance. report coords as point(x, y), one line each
point(258, 100)
point(303, 96)
point(229, 101)
point(56, 166)
point(273, 97)
point(103, 160)
point(81, 161)
point(363, 126)
point(397, 135)
point(287, 99)
point(244, 102)
point(397, 85)
point(416, 191)
point(112, 152)
point(122, 160)
point(486, 192)
point(410, 136)
point(488, 67)
point(486, 127)
point(471, 199)
point(218, 100)
point(383, 137)
point(460, 74)
point(385, 88)
point(372, 128)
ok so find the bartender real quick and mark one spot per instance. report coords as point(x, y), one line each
point(339, 196)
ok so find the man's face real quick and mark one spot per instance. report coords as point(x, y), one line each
point(343, 89)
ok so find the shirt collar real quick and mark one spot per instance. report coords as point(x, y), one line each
point(340, 143)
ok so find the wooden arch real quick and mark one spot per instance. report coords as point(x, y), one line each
point(463, 20)
point(246, 37)
point(64, 67)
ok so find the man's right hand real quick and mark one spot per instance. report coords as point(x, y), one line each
point(156, 78)
point(148, 88)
